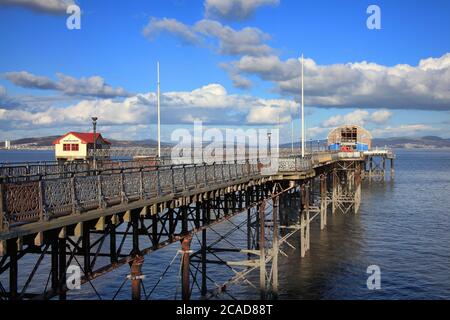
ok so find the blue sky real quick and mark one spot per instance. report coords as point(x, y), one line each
point(46, 70)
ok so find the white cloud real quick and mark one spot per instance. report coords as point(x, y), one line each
point(358, 117)
point(360, 84)
point(210, 103)
point(235, 9)
point(208, 33)
point(93, 86)
point(381, 116)
point(43, 6)
point(179, 30)
point(268, 115)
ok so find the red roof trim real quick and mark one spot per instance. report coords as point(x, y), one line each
point(85, 137)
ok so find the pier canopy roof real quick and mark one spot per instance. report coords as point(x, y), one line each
point(350, 135)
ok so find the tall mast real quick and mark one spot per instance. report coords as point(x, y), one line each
point(159, 114)
point(303, 116)
point(292, 135)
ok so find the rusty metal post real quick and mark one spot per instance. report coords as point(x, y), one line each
point(185, 262)
point(136, 277)
point(262, 251)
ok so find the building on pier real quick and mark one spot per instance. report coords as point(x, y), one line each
point(77, 146)
point(349, 138)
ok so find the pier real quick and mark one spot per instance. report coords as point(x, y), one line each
point(75, 214)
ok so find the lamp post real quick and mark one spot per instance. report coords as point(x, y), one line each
point(269, 134)
point(94, 125)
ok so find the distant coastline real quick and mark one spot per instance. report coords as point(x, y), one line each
point(427, 142)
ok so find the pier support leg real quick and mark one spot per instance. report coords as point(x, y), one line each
point(62, 267)
point(112, 241)
point(357, 187)
point(136, 277)
point(54, 261)
point(86, 249)
point(335, 187)
point(249, 229)
point(304, 222)
point(275, 214)
point(392, 169)
point(185, 261)
point(203, 251)
point(13, 268)
point(262, 251)
point(323, 202)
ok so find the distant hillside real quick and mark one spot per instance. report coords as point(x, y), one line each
point(395, 142)
point(48, 142)
point(411, 143)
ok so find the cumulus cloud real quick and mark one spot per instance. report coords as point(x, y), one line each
point(381, 116)
point(94, 86)
point(358, 117)
point(211, 104)
point(42, 6)
point(212, 34)
point(360, 84)
point(181, 31)
point(236, 10)
point(268, 115)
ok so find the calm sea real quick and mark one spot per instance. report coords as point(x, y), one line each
point(403, 227)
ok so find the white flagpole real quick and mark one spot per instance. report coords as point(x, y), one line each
point(303, 117)
point(292, 135)
point(159, 114)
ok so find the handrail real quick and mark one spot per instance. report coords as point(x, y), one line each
point(44, 199)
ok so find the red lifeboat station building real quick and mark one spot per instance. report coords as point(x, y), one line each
point(77, 146)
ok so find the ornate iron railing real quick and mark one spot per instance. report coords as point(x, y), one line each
point(42, 198)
